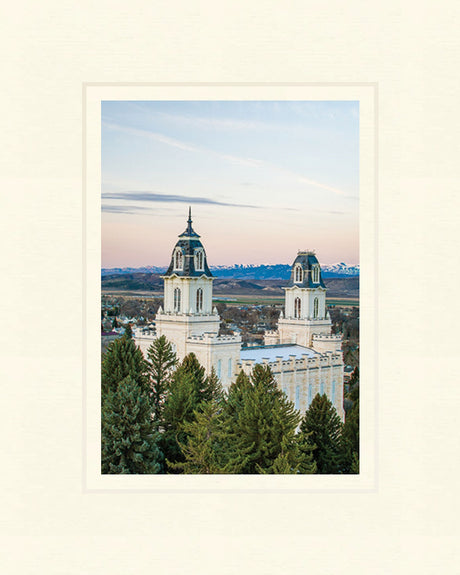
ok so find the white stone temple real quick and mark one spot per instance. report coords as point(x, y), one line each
point(302, 353)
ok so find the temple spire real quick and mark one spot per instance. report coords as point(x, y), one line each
point(189, 221)
point(189, 232)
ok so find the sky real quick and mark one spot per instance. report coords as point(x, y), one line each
point(264, 179)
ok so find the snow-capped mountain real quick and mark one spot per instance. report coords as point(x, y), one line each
point(249, 271)
point(340, 269)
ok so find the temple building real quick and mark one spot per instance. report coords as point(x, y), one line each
point(303, 354)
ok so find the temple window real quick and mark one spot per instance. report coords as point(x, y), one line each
point(199, 300)
point(297, 307)
point(298, 274)
point(316, 274)
point(199, 260)
point(315, 307)
point(178, 260)
point(177, 298)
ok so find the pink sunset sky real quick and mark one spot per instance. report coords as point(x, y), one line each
point(263, 179)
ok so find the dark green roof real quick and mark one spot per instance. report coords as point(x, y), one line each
point(306, 260)
point(189, 243)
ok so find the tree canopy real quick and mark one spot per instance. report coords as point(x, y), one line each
point(129, 440)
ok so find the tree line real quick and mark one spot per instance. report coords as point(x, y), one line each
point(159, 415)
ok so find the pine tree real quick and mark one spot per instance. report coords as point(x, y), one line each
point(196, 375)
point(307, 459)
point(322, 427)
point(206, 449)
point(264, 422)
point(161, 363)
point(129, 439)
point(188, 390)
point(350, 439)
point(121, 359)
point(355, 464)
point(353, 394)
point(179, 406)
point(213, 390)
point(128, 331)
point(236, 394)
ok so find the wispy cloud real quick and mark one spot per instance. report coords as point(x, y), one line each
point(153, 135)
point(303, 180)
point(238, 160)
point(123, 209)
point(205, 123)
point(251, 162)
point(134, 196)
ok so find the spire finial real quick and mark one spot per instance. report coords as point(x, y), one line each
point(189, 221)
point(189, 232)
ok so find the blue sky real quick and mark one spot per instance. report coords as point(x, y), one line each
point(264, 179)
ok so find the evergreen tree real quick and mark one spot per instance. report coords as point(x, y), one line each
point(179, 406)
point(213, 390)
point(307, 459)
point(350, 438)
point(264, 421)
point(128, 332)
point(129, 440)
point(355, 464)
point(122, 358)
point(188, 390)
point(161, 363)
point(207, 446)
point(236, 394)
point(203, 388)
point(322, 427)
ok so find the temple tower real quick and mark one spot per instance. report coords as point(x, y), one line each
point(187, 293)
point(306, 320)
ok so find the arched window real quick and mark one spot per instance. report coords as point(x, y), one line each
point(177, 299)
point(230, 368)
point(178, 260)
point(321, 388)
point(298, 274)
point(199, 300)
point(199, 260)
point(315, 307)
point(297, 397)
point(310, 390)
point(333, 392)
point(219, 368)
point(297, 307)
point(316, 274)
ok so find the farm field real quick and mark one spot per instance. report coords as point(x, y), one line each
point(232, 299)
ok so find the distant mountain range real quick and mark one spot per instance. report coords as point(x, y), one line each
point(255, 272)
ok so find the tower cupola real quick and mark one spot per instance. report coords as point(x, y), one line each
point(188, 257)
point(306, 271)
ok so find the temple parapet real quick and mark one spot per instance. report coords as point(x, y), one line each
point(324, 343)
point(271, 337)
point(210, 338)
point(329, 359)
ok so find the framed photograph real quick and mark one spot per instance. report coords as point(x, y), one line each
point(237, 224)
